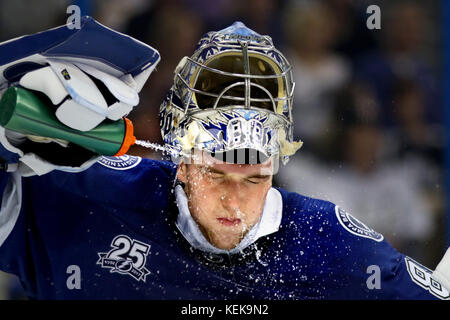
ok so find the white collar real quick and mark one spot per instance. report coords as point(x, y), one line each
point(269, 223)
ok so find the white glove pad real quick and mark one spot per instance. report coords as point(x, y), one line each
point(79, 102)
point(117, 87)
point(88, 107)
point(52, 87)
point(127, 96)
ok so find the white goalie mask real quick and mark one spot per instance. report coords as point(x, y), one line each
point(234, 93)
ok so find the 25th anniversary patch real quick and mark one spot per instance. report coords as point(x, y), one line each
point(127, 256)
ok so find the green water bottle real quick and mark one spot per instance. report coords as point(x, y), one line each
point(24, 112)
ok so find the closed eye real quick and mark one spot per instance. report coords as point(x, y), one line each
point(216, 175)
point(257, 179)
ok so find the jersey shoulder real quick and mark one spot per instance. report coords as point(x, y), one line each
point(126, 180)
point(347, 257)
point(325, 223)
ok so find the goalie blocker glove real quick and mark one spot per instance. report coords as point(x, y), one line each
point(88, 75)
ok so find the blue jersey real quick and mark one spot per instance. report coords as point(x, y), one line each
point(109, 233)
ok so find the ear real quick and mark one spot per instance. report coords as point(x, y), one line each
point(182, 172)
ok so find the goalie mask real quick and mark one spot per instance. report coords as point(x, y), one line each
point(234, 93)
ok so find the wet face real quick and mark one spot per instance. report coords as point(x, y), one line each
point(226, 200)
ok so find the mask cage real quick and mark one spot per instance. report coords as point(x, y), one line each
point(239, 78)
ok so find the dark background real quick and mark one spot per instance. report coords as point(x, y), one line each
point(369, 104)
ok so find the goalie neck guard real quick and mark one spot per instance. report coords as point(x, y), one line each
point(234, 93)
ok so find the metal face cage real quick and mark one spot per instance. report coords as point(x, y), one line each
point(243, 75)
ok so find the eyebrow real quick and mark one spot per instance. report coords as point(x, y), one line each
point(258, 176)
point(213, 170)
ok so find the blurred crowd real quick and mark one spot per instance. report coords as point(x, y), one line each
point(368, 103)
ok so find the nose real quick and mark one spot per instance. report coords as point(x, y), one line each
point(231, 199)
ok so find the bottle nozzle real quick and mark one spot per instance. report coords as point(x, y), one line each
point(129, 138)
